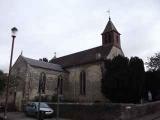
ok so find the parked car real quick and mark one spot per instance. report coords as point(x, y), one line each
point(31, 109)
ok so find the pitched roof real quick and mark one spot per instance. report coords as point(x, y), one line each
point(83, 57)
point(42, 64)
point(110, 27)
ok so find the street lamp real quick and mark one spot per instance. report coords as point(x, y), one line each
point(59, 83)
point(14, 31)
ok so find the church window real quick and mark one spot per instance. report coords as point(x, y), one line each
point(117, 39)
point(109, 38)
point(104, 39)
point(83, 83)
point(60, 84)
point(42, 84)
point(30, 81)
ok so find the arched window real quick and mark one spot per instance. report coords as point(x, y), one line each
point(109, 38)
point(42, 82)
point(60, 84)
point(117, 39)
point(83, 83)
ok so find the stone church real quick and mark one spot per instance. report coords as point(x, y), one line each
point(80, 73)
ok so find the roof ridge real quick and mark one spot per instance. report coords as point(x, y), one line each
point(83, 51)
point(83, 57)
point(37, 60)
point(42, 64)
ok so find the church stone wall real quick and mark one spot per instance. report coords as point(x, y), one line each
point(19, 72)
point(114, 52)
point(27, 78)
point(93, 83)
point(32, 82)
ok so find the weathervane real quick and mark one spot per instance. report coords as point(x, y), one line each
point(108, 11)
point(21, 52)
point(55, 55)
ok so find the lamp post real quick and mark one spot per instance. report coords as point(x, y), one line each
point(59, 83)
point(41, 89)
point(14, 31)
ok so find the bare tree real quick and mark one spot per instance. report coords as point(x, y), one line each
point(153, 63)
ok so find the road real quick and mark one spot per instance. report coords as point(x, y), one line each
point(22, 116)
point(154, 116)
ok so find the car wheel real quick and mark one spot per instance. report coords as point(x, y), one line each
point(36, 115)
point(26, 113)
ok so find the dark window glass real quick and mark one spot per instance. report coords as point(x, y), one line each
point(60, 84)
point(42, 84)
point(104, 39)
point(109, 38)
point(83, 83)
point(117, 39)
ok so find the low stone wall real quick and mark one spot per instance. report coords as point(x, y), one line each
point(88, 111)
point(131, 111)
point(108, 111)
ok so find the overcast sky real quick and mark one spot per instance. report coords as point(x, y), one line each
point(68, 26)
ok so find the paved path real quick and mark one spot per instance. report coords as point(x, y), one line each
point(22, 116)
point(154, 116)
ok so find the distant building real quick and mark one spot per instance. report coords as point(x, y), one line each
point(81, 72)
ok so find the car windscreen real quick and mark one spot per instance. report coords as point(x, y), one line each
point(43, 105)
